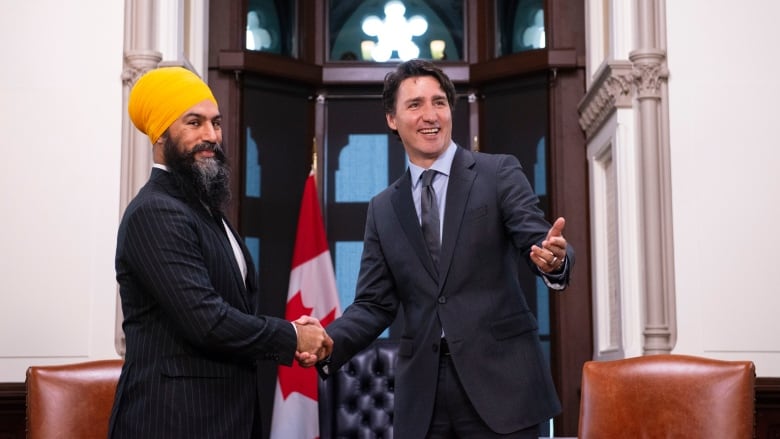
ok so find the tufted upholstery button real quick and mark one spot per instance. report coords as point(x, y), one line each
point(358, 399)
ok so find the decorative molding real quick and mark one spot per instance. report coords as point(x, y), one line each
point(612, 88)
point(618, 82)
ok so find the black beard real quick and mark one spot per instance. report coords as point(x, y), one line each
point(206, 180)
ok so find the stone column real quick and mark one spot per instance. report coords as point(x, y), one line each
point(139, 57)
point(650, 74)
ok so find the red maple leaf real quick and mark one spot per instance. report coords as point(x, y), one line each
point(296, 378)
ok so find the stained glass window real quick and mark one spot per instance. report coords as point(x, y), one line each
point(395, 30)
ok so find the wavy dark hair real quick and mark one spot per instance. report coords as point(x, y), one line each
point(411, 69)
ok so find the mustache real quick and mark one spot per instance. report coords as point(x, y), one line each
point(206, 146)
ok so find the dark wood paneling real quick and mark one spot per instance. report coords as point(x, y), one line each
point(227, 30)
point(269, 64)
point(374, 73)
point(12, 410)
point(569, 195)
point(768, 408)
point(522, 63)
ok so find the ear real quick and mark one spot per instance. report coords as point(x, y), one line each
point(391, 121)
point(157, 151)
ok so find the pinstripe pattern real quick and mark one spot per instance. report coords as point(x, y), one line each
point(193, 331)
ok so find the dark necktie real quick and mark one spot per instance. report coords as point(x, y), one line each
point(429, 212)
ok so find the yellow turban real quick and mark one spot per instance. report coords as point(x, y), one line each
point(162, 95)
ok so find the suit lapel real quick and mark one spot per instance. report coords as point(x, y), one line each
point(168, 181)
point(407, 216)
point(225, 242)
point(461, 180)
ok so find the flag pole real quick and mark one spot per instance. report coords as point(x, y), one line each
point(314, 156)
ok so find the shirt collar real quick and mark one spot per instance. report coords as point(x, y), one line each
point(442, 164)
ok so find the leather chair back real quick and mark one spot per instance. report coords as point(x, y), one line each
point(357, 402)
point(667, 396)
point(71, 401)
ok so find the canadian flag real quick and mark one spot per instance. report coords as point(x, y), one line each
point(313, 292)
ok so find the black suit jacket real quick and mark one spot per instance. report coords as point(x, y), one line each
point(491, 220)
point(192, 326)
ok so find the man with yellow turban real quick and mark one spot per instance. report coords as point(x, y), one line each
point(187, 283)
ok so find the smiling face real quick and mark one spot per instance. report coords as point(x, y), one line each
point(423, 119)
point(192, 150)
point(196, 129)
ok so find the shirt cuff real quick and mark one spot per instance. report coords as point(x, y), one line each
point(557, 281)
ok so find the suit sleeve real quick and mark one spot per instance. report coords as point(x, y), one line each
point(523, 219)
point(162, 249)
point(375, 305)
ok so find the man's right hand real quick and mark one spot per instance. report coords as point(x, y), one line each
point(314, 344)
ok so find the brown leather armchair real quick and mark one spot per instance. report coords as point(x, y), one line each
point(72, 400)
point(667, 396)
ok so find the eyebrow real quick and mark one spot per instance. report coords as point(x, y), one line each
point(434, 98)
point(201, 116)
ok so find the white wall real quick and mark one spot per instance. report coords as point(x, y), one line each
point(60, 119)
point(725, 151)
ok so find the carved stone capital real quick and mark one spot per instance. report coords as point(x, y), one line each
point(650, 72)
point(138, 62)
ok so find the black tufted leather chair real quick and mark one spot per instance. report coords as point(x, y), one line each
point(357, 402)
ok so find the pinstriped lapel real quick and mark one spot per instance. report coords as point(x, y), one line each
point(251, 280)
point(407, 216)
point(242, 288)
point(458, 189)
point(168, 181)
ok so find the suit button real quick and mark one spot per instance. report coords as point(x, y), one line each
point(442, 299)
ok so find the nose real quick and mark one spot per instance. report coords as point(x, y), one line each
point(429, 113)
point(210, 132)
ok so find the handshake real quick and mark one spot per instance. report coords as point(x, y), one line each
point(314, 344)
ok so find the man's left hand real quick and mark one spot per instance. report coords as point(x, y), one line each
point(550, 257)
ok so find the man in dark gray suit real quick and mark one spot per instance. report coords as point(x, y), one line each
point(470, 364)
point(187, 283)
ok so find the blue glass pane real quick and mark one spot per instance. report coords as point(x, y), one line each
point(540, 169)
point(270, 25)
point(362, 168)
point(529, 27)
point(347, 267)
point(347, 256)
point(253, 245)
point(252, 171)
point(543, 306)
point(520, 25)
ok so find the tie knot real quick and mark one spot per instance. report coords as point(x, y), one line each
point(427, 177)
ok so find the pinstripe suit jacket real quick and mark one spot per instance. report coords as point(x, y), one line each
point(491, 220)
point(191, 323)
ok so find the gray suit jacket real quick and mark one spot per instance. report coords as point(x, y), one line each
point(191, 324)
point(490, 222)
